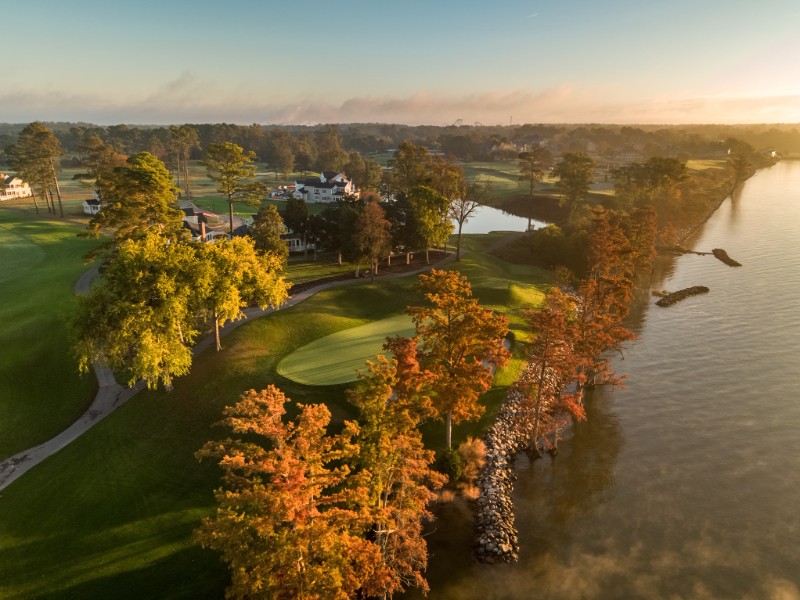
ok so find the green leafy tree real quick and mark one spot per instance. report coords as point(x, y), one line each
point(35, 157)
point(282, 524)
point(266, 231)
point(100, 158)
point(575, 171)
point(234, 276)
point(233, 170)
point(337, 227)
point(280, 152)
point(464, 206)
point(297, 219)
point(430, 218)
point(183, 139)
point(408, 168)
point(533, 167)
point(330, 154)
point(140, 320)
point(137, 198)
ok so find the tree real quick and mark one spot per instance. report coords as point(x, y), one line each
point(394, 476)
point(296, 217)
point(183, 140)
point(233, 170)
point(408, 168)
point(533, 166)
point(741, 169)
point(603, 299)
point(460, 343)
point(574, 172)
point(373, 235)
point(305, 153)
point(137, 198)
point(337, 227)
point(430, 222)
point(99, 157)
point(463, 206)
point(330, 154)
point(266, 232)
point(553, 365)
point(35, 157)
point(234, 276)
point(280, 152)
point(280, 525)
point(140, 320)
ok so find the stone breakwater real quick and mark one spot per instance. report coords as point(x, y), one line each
point(674, 297)
point(496, 537)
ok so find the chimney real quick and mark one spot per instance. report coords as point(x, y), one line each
point(202, 231)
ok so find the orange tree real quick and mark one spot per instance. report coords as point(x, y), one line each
point(394, 482)
point(460, 344)
point(282, 525)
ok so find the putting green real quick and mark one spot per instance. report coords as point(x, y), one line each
point(335, 358)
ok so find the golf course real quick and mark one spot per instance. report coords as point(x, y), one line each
point(112, 514)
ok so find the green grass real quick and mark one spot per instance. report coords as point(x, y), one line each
point(338, 357)
point(111, 515)
point(41, 392)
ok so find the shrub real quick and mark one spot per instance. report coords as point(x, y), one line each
point(472, 453)
point(448, 461)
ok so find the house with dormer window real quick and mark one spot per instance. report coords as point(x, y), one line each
point(12, 186)
point(330, 186)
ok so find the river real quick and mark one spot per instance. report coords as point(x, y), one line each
point(685, 484)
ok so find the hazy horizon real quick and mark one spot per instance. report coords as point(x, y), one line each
point(502, 63)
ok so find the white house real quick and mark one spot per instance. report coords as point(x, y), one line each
point(328, 187)
point(91, 206)
point(12, 186)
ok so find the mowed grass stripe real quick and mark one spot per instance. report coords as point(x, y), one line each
point(338, 357)
point(41, 392)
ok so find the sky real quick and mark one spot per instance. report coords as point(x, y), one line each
point(435, 62)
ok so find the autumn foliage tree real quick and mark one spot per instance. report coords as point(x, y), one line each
point(373, 235)
point(460, 343)
point(604, 296)
point(282, 524)
point(394, 481)
point(551, 380)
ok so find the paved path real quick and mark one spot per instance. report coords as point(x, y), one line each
point(112, 395)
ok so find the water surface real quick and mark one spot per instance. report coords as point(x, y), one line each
point(686, 484)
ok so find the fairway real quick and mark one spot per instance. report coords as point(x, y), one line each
point(41, 392)
point(336, 358)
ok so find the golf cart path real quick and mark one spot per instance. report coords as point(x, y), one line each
point(111, 395)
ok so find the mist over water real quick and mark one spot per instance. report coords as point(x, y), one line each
point(685, 484)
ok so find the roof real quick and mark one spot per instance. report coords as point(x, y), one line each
point(92, 202)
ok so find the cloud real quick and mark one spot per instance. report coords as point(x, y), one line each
point(191, 99)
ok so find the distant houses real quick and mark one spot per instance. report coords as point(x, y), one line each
point(12, 187)
point(206, 226)
point(328, 187)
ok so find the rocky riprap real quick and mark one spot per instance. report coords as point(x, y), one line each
point(671, 299)
point(496, 537)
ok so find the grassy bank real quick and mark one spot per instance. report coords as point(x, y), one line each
point(112, 514)
point(41, 392)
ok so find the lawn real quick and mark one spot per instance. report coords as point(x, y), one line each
point(41, 392)
point(111, 515)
